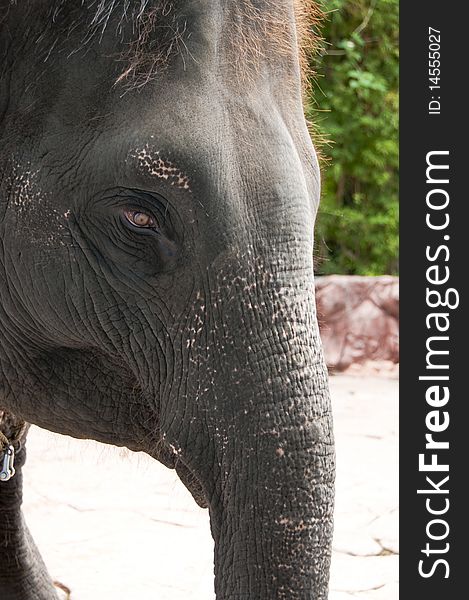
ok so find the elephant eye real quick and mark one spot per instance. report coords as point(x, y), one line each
point(140, 219)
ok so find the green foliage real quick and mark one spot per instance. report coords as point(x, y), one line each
point(355, 106)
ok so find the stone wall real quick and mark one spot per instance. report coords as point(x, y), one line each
point(358, 318)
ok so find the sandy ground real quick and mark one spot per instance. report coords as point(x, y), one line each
point(114, 526)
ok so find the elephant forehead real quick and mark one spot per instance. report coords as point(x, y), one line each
point(151, 162)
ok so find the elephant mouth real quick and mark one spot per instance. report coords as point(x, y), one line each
point(192, 483)
point(163, 454)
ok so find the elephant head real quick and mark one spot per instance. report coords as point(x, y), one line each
point(158, 189)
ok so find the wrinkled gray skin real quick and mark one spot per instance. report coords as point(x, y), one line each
point(194, 340)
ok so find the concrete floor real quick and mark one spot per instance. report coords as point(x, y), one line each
point(114, 525)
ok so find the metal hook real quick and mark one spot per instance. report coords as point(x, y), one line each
point(8, 470)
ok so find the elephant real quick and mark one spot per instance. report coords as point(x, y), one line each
point(158, 192)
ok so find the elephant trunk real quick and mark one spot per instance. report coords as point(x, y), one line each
point(260, 412)
point(272, 512)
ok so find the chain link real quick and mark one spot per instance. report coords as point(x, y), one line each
point(12, 431)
